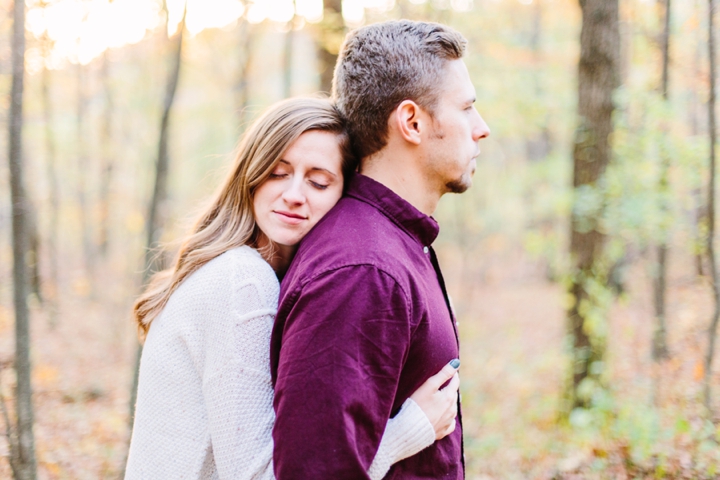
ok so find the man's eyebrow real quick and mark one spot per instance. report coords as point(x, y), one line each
point(471, 101)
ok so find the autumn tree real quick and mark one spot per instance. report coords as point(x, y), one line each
point(712, 331)
point(83, 164)
point(598, 75)
point(246, 37)
point(330, 37)
point(51, 242)
point(20, 433)
point(107, 157)
point(659, 343)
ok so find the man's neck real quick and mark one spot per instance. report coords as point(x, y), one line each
point(400, 173)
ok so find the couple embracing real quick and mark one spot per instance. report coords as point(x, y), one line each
point(304, 331)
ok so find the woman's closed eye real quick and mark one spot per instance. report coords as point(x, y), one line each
point(319, 185)
point(320, 179)
point(280, 172)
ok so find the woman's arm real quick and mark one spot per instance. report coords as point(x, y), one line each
point(237, 388)
point(428, 415)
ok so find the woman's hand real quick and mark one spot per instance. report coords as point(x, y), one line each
point(440, 405)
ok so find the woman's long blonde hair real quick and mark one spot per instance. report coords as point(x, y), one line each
point(229, 222)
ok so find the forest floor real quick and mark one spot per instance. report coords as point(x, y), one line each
point(650, 425)
point(513, 368)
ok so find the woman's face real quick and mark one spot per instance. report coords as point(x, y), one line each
point(303, 187)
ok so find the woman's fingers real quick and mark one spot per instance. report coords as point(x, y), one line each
point(447, 426)
point(437, 380)
point(454, 384)
point(451, 428)
point(440, 404)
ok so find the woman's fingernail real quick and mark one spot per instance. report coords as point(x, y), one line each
point(455, 363)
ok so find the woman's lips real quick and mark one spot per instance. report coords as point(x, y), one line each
point(289, 217)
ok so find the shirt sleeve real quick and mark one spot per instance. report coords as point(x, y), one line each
point(409, 432)
point(344, 342)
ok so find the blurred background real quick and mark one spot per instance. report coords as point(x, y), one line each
point(107, 80)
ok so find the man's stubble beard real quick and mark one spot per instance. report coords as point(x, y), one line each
point(458, 186)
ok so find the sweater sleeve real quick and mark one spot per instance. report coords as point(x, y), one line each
point(409, 432)
point(237, 387)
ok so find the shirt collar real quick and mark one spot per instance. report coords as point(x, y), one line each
point(418, 225)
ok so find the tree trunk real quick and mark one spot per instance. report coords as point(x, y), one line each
point(695, 107)
point(659, 342)
point(107, 158)
point(82, 187)
point(157, 208)
point(538, 146)
point(712, 331)
point(597, 79)
point(288, 57)
point(25, 468)
point(32, 259)
point(52, 294)
point(332, 32)
point(243, 73)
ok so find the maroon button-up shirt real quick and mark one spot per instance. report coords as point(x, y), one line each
point(363, 321)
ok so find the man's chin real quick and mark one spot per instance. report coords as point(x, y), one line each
point(460, 185)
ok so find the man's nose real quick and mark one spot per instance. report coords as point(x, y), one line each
point(481, 129)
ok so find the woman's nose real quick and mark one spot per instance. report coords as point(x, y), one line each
point(293, 194)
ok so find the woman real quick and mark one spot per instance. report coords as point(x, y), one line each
point(204, 406)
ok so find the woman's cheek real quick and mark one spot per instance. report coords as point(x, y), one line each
point(326, 202)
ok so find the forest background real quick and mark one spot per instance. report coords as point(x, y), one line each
point(132, 110)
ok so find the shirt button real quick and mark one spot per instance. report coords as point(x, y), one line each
point(426, 249)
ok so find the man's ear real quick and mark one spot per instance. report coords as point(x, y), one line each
point(409, 120)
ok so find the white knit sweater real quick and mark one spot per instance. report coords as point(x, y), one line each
point(204, 406)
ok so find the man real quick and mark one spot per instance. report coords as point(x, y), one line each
point(364, 317)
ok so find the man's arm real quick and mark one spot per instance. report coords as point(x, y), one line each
point(345, 339)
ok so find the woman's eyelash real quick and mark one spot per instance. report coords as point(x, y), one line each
point(317, 185)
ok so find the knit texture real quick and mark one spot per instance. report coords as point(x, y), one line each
point(406, 434)
point(204, 405)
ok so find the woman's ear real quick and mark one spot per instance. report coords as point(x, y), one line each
point(409, 120)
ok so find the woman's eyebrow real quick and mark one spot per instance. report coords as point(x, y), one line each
point(318, 169)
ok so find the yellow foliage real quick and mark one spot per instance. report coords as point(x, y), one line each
point(81, 287)
point(5, 320)
point(134, 222)
point(699, 371)
point(45, 374)
point(52, 468)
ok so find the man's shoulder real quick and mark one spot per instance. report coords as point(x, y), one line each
point(352, 234)
point(348, 218)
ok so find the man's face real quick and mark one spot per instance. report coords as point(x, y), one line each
point(455, 131)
